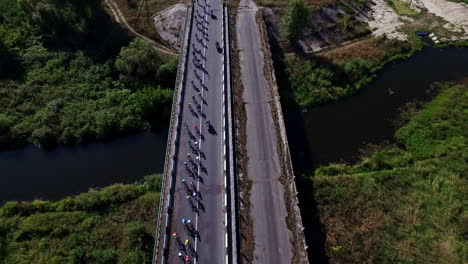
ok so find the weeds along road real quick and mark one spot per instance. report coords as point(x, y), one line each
point(200, 154)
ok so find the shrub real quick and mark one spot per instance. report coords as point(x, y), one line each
point(138, 64)
point(153, 182)
point(135, 233)
point(153, 103)
point(296, 16)
point(167, 73)
point(107, 256)
point(101, 226)
point(5, 123)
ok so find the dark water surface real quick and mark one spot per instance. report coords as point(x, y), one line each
point(335, 132)
point(32, 172)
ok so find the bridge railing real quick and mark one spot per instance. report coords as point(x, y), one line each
point(231, 186)
point(174, 127)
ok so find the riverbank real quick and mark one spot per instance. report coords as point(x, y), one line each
point(338, 131)
point(110, 225)
point(401, 204)
point(34, 173)
point(344, 44)
point(63, 84)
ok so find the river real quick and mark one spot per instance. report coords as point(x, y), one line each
point(35, 173)
point(317, 137)
point(335, 132)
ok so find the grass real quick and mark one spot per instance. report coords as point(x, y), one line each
point(112, 225)
point(401, 8)
point(459, 1)
point(403, 204)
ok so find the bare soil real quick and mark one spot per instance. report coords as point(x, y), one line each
point(169, 24)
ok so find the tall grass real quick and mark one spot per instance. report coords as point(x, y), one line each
point(111, 225)
point(403, 205)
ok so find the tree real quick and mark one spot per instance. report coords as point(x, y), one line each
point(296, 18)
point(154, 104)
point(138, 64)
point(168, 72)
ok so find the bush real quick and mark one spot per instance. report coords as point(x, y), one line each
point(135, 233)
point(295, 19)
point(138, 64)
point(153, 182)
point(9, 209)
point(107, 256)
point(74, 231)
point(5, 124)
point(167, 73)
point(44, 136)
point(154, 103)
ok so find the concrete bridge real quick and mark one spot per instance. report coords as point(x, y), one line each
point(199, 220)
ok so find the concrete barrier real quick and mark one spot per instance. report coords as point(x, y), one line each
point(290, 186)
point(171, 149)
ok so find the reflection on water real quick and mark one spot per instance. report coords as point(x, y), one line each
point(336, 131)
point(32, 172)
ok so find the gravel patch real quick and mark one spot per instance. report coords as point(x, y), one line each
point(169, 24)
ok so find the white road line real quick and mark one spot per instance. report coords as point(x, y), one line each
point(200, 127)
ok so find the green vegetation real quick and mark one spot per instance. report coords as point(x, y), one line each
point(112, 225)
point(295, 19)
point(401, 8)
point(338, 73)
point(70, 74)
point(459, 1)
point(403, 204)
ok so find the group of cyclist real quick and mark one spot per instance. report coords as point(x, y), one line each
point(193, 163)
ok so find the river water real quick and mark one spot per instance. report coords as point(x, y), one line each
point(32, 172)
point(319, 136)
point(335, 132)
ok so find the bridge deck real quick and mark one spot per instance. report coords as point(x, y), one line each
point(207, 215)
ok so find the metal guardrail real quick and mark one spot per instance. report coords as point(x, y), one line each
point(232, 227)
point(171, 140)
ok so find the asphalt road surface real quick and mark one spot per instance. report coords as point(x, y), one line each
point(268, 208)
point(204, 82)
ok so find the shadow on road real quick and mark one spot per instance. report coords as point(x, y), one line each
point(301, 157)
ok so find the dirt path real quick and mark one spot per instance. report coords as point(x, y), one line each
point(119, 17)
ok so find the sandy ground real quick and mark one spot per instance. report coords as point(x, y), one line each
point(384, 20)
point(454, 13)
point(169, 24)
